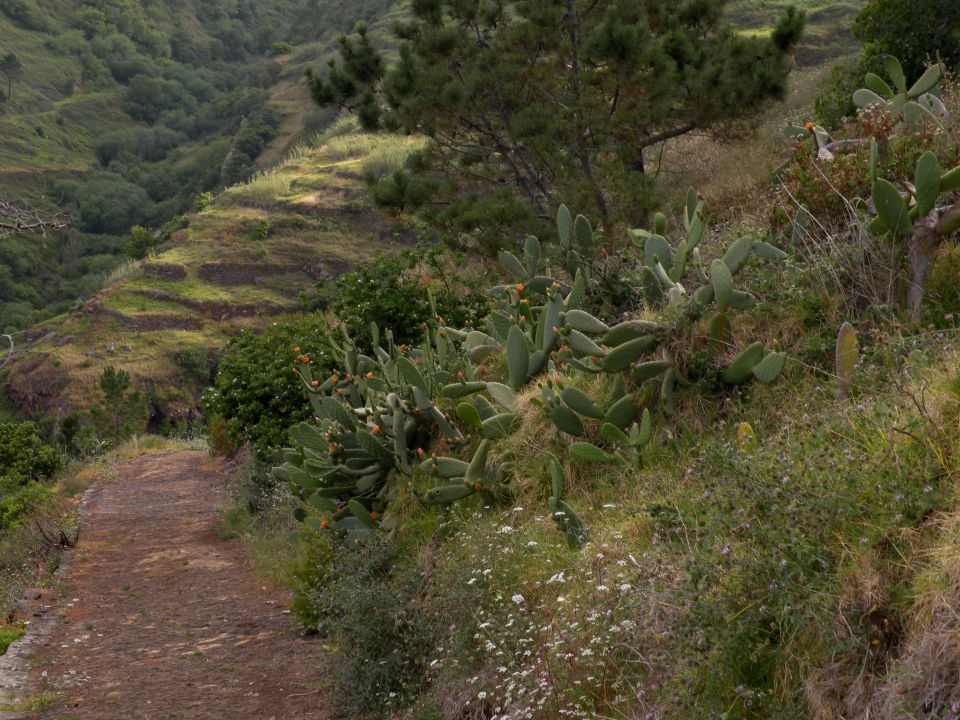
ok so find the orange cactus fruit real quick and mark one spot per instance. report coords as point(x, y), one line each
point(296, 350)
point(369, 374)
point(376, 428)
point(809, 126)
point(324, 524)
point(519, 288)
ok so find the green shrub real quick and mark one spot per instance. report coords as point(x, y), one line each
point(834, 102)
point(262, 230)
point(256, 393)
point(915, 32)
point(394, 291)
point(18, 501)
point(141, 242)
point(202, 201)
point(194, 361)
point(25, 456)
point(121, 411)
point(364, 597)
point(281, 47)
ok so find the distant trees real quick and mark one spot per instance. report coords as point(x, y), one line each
point(113, 206)
point(25, 13)
point(12, 69)
point(530, 102)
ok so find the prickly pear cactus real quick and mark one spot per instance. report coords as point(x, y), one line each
point(376, 420)
point(910, 105)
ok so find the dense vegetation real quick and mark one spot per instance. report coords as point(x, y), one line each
point(695, 463)
point(129, 112)
point(915, 33)
point(731, 551)
point(27, 464)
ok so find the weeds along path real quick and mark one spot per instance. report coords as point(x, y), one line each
point(158, 617)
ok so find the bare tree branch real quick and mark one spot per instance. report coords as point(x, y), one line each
point(9, 357)
point(18, 217)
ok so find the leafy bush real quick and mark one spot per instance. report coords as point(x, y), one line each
point(195, 361)
point(915, 32)
point(27, 462)
point(25, 456)
point(834, 102)
point(281, 47)
point(394, 292)
point(17, 502)
point(140, 243)
point(255, 392)
point(112, 206)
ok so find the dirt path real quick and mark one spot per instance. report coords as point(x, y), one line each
point(160, 618)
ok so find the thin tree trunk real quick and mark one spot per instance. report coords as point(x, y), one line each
point(923, 246)
point(926, 237)
point(583, 152)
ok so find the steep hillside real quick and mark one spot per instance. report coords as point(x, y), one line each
point(120, 114)
point(180, 306)
point(242, 260)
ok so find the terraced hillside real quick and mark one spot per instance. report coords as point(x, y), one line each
point(121, 113)
point(242, 260)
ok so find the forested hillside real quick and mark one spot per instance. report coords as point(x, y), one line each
point(551, 359)
point(119, 114)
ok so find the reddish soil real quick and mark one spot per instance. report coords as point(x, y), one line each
point(159, 617)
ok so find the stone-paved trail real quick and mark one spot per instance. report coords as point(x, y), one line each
point(158, 617)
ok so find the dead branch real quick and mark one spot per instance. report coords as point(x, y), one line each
point(17, 217)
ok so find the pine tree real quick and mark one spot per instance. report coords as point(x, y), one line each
point(536, 102)
point(122, 411)
point(12, 68)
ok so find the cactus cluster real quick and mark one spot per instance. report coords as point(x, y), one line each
point(677, 277)
point(910, 105)
point(920, 213)
point(915, 215)
point(376, 421)
point(371, 423)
